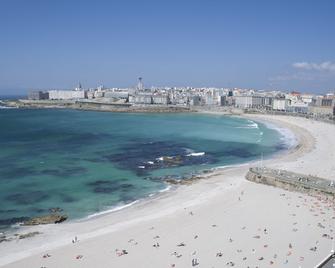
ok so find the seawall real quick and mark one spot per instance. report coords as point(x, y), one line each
point(291, 181)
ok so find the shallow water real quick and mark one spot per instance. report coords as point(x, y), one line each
point(86, 162)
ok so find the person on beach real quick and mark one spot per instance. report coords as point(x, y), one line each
point(219, 254)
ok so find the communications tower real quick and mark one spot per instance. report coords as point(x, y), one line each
point(140, 86)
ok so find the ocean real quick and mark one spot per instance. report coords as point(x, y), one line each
point(86, 162)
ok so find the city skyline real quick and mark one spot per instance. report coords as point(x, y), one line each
point(262, 45)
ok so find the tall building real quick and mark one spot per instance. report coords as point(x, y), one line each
point(79, 87)
point(140, 86)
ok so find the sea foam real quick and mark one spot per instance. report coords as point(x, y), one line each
point(287, 137)
point(251, 124)
point(196, 154)
point(113, 209)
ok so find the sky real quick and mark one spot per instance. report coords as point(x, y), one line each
point(283, 44)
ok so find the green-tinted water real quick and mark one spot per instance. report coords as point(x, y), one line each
point(86, 162)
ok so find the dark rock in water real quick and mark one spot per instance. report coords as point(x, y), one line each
point(47, 219)
point(102, 186)
point(172, 161)
point(186, 181)
point(10, 221)
point(172, 181)
point(126, 186)
point(106, 187)
point(127, 197)
point(99, 183)
point(27, 197)
point(181, 180)
point(67, 199)
point(14, 172)
point(142, 157)
point(105, 190)
point(111, 189)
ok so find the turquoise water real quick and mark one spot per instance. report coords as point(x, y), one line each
point(87, 162)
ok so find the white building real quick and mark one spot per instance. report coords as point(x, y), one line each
point(116, 94)
point(99, 94)
point(248, 101)
point(90, 94)
point(280, 104)
point(307, 98)
point(141, 99)
point(298, 107)
point(66, 94)
point(160, 99)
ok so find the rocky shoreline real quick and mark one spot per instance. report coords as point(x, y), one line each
point(46, 219)
point(96, 106)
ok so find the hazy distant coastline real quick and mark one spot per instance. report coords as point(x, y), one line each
point(96, 106)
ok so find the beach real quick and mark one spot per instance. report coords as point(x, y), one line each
point(220, 221)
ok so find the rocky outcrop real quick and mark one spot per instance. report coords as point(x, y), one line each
point(172, 161)
point(47, 219)
point(184, 181)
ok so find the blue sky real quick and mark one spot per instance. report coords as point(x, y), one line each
point(281, 44)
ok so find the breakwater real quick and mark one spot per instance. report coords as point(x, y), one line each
point(291, 181)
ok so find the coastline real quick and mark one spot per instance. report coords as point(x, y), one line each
point(167, 204)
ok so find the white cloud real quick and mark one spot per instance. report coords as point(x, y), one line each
point(307, 71)
point(323, 66)
point(293, 76)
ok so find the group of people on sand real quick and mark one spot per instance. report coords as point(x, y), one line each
point(319, 207)
point(195, 262)
point(75, 240)
point(121, 252)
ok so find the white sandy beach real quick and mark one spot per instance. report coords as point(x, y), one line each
point(218, 220)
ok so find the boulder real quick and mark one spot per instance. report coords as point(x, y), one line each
point(46, 219)
point(173, 160)
point(184, 181)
